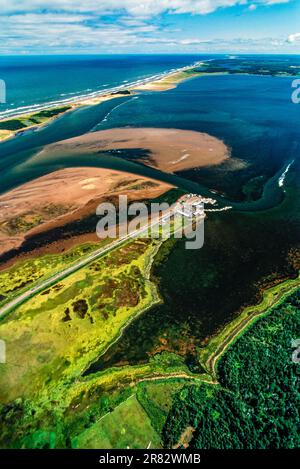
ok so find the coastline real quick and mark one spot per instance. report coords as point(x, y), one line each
point(8, 134)
point(159, 82)
point(164, 81)
point(171, 81)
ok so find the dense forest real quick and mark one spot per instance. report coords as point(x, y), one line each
point(257, 403)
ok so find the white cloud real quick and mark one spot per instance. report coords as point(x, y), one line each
point(145, 8)
point(192, 42)
point(274, 2)
point(294, 37)
point(46, 18)
point(27, 32)
point(92, 25)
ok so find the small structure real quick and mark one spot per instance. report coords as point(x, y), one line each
point(191, 209)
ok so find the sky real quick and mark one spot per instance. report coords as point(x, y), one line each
point(149, 26)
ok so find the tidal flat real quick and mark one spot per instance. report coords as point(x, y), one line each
point(124, 334)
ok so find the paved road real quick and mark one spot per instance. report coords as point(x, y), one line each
point(74, 267)
point(83, 262)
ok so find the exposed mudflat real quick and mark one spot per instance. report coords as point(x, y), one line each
point(169, 150)
point(63, 196)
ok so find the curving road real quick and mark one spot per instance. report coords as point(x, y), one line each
point(211, 362)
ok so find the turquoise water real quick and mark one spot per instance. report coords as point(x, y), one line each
point(36, 80)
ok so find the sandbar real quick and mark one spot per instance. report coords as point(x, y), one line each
point(64, 196)
point(169, 150)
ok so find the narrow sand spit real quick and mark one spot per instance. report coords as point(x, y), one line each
point(64, 196)
point(170, 150)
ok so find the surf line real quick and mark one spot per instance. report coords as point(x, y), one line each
point(281, 179)
point(77, 98)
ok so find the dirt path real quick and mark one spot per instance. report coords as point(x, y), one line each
point(211, 362)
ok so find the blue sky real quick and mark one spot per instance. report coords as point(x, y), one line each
point(149, 26)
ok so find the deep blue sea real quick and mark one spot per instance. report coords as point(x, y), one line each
point(36, 80)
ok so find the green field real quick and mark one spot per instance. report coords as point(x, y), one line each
point(135, 423)
point(28, 120)
point(25, 274)
point(127, 426)
point(55, 335)
point(58, 332)
point(157, 400)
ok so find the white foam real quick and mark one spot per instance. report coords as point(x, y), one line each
point(283, 175)
point(21, 110)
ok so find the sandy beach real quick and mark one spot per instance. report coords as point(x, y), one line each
point(64, 196)
point(167, 81)
point(170, 81)
point(102, 98)
point(6, 134)
point(169, 150)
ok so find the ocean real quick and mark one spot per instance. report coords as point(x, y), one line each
point(35, 81)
